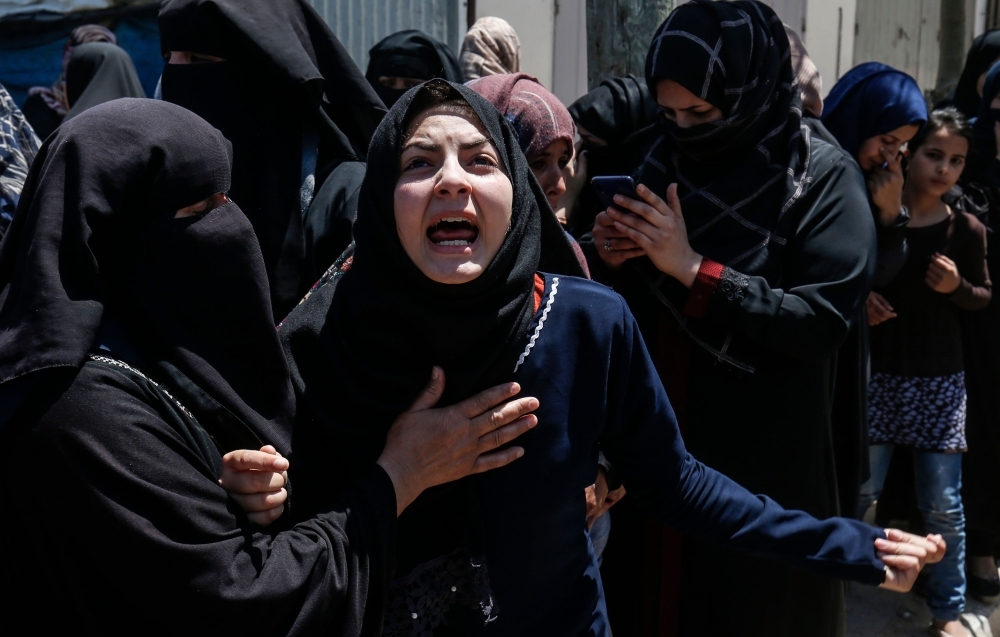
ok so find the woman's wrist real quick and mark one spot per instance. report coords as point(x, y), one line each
point(689, 270)
point(403, 484)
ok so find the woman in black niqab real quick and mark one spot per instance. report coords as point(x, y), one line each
point(99, 72)
point(101, 283)
point(299, 114)
point(409, 55)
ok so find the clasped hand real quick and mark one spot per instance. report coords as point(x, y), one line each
point(651, 227)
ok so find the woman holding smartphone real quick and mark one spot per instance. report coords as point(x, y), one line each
point(745, 262)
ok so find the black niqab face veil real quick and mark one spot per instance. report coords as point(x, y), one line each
point(95, 239)
point(411, 54)
point(289, 98)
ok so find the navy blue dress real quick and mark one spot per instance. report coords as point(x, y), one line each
point(588, 366)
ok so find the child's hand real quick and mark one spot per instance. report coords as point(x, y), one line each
point(942, 275)
point(879, 310)
point(256, 480)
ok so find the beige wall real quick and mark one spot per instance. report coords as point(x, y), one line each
point(534, 21)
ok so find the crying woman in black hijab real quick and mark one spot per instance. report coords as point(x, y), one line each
point(406, 59)
point(272, 76)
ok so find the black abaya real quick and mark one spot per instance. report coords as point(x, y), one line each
point(99, 280)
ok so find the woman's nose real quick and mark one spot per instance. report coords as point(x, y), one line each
point(453, 180)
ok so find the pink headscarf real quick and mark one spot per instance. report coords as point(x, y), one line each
point(537, 116)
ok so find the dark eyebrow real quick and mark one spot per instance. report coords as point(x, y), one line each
point(474, 143)
point(436, 148)
point(429, 147)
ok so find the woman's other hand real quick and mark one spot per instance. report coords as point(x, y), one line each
point(426, 447)
point(879, 310)
point(658, 228)
point(942, 275)
point(886, 188)
point(256, 480)
point(612, 245)
point(904, 555)
point(599, 499)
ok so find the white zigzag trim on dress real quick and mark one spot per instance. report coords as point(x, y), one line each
point(541, 323)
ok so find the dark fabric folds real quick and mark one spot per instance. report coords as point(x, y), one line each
point(983, 54)
point(295, 107)
point(872, 99)
point(412, 54)
point(95, 245)
point(616, 109)
point(99, 72)
point(983, 127)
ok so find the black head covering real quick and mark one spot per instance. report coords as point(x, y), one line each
point(291, 101)
point(621, 112)
point(738, 175)
point(95, 244)
point(985, 50)
point(410, 53)
point(986, 118)
point(99, 72)
point(616, 109)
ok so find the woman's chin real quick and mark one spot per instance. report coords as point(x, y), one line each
point(451, 271)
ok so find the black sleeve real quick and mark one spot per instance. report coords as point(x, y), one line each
point(892, 251)
point(138, 533)
point(826, 275)
point(329, 222)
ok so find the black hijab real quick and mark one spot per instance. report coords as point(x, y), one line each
point(985, 50)
point(410, 53)
point(616, 109)
point(99, 72)
point(737, 176)
point(95, 246)
point(621, 112)
point(291, 101)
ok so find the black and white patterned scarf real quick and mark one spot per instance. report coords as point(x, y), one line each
point(738, 176)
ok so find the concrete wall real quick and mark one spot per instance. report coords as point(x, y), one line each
point(905, 34)
point(534, 21)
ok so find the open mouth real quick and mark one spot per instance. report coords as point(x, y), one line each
point(453, 231)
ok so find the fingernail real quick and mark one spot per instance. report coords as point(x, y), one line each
point(435, 373)
point(514, 388)
point(619, 199)
point(280, 464)
point(520, 452)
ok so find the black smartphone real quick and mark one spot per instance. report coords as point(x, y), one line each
point(607, 187)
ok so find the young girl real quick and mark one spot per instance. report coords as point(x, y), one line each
point(917, 391)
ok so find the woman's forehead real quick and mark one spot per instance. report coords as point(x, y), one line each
point(451, 121)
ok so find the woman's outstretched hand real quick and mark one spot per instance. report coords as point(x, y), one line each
point(427, 447)
point(256, 481)
point(658, 228)
point(904, 554)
